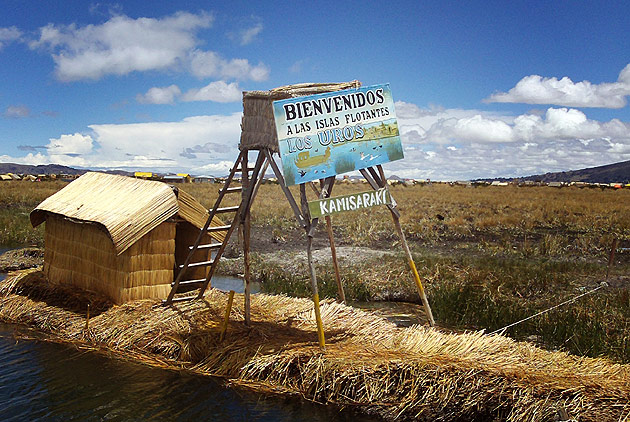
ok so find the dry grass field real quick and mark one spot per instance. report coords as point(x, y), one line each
point(489, 256)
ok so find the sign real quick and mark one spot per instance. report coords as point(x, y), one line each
point(352, 202)
point(336, 132)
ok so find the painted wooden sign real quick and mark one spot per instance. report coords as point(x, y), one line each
point(336, 132)
point(352, 202)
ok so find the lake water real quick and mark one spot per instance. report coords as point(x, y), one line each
point(42, 381)
point(227, 283)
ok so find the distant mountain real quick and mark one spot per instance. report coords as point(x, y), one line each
point(610, 173)
point(35, 170)
point(50, 169)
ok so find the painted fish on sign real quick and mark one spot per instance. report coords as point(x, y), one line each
point(352, 202)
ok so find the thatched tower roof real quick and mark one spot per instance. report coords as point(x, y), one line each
point(258, 126)
point(125, 207)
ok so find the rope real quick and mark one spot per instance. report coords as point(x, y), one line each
point(502, 330)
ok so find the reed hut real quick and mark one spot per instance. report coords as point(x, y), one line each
point(120, 236)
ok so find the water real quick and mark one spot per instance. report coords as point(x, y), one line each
point(42, 381)
point(227, 283)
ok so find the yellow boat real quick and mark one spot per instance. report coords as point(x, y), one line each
point(305, 160)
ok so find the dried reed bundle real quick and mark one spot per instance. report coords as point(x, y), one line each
point(82, 255)
point(416, 373)
point(258, 127)
point(127, 208)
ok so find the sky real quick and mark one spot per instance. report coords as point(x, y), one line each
point(481, 89)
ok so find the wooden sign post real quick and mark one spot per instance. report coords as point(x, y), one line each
point(318, 131)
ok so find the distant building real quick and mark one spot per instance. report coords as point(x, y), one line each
point(186, 178)
point(173, 178)
point(204, 179)
point(143, 175)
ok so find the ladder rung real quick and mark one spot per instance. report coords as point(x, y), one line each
point(198, 264)
point(240, 170)
point(208, 246)
point(227, 209)
point(234, 189)
point(189, 282)
point(219, 228)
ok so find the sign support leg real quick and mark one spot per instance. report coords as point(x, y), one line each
point(414, 270)
point(341, 298)
point(333, 252)
point(318, 315)
point(378, 182)
point(309, 254)
point(243, 229)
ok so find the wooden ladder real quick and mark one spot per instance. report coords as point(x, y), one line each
point(247, 190)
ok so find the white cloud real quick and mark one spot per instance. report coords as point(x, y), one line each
point(28, 159)
point(205, 64)
point(450, 144)
point(8, 35)
point(17, 112)
point(218, 91)
point(220, 168)
point(76, 144)
point(157, 95)
point(159, 145)
point(480, 129)
point(123, 45)
point(297, 66)
point(535, 89)
point(248, 35)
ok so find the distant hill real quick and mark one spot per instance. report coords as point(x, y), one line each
point(41, 169)
point(50, 169)
point(610, 173)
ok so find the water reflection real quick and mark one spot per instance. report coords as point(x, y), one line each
point(227, 283)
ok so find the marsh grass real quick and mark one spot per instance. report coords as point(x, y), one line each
point(17, 200)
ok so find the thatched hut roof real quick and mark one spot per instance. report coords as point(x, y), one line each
point(127, 208)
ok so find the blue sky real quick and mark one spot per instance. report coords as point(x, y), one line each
point(482, 89)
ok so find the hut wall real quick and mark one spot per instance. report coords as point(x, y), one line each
point(83, 255)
